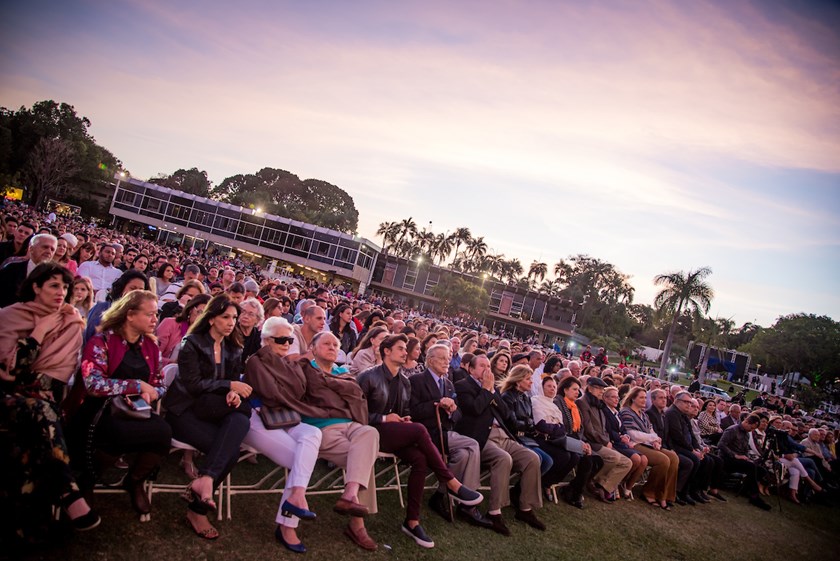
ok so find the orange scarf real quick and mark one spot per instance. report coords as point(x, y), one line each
point(573, 408)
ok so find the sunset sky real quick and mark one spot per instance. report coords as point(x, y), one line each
point(658, 135)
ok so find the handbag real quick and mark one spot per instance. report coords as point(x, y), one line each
point(278, 417)
point(120, 409)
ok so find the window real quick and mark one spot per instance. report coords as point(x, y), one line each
point(410, 279)
point(431, 282)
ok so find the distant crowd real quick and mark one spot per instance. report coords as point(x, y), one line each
point(115, 350)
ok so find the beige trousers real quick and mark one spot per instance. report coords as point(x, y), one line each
point(353, 447)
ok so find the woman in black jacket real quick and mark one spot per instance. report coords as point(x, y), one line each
point(545, 439)
point(205, 404)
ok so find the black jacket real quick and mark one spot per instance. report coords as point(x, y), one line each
point(659, 423)
point(197, 372)
point(614, 427)
point(680, 437)
point(521, 413)
point(479, 407)
point(425, 393)
point(376, 385)
point(11, 278)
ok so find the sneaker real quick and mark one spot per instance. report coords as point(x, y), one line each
point(466, 496)
point(418, 535)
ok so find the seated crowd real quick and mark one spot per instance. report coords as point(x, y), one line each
point(299, 371)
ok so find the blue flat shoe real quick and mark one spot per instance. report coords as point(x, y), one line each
point(288, 510)
point(296, 547)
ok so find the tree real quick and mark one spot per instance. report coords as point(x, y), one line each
point(187, 180)
point(389, 232)
point(803, 343)
point(681, 291)
point(716, 331)
point(456, 294)
point(477, 247)
point(28, 141)
point(443, 245)
point(537, 270)
point(282, 193)
point(460, 236)
point(51, 164)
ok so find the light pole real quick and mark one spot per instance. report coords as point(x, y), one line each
point(660, 344)
point(483, 278)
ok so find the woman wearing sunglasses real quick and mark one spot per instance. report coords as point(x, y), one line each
point(293, 447)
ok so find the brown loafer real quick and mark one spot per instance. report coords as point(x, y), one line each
point(343, 506)
point(361, 538)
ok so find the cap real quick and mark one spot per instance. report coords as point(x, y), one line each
point(595, 381)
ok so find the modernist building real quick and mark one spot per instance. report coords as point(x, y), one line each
point(175, 217)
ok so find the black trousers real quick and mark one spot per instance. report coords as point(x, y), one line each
point(689, 464)
point(219, 441)
point(753, 471)
point(564, 462)
point(118, 436)
point(587, 467)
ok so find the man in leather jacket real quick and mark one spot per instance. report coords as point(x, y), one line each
point(388, 395)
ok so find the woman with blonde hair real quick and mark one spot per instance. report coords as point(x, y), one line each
point(122, 363)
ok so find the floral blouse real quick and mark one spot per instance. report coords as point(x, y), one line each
point(103, 354)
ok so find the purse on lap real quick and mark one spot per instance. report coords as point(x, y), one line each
point(278, 417)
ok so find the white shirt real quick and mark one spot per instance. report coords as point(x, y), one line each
point(536, 378)
point(100, 277)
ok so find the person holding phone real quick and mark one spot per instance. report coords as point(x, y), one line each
point(122, 362)
point(206, 405)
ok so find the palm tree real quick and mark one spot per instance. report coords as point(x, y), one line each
point(443, 246)
point(477, 247)
point(388, 231)
point(537, 270)
point(681, 291)
point(424, 241)
point(460, 236)
point(405, 227)
point(514, 270)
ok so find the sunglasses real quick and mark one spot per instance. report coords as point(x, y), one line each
point(283, 340)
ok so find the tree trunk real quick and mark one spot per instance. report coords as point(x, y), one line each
point(666, 352)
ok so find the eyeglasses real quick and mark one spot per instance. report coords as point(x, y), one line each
point(283, 340)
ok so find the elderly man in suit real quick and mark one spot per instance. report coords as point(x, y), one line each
point(433, 393)
point(484, 417)
point(41, 249)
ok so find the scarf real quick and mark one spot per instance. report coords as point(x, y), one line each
point(59, 354)
point(573, 409)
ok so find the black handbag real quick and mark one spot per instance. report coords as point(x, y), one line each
point(278, 417)
point(213, 407)
point(553, 433)
point(121, 409)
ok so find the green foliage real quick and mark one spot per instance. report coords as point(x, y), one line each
point(458, 295)
point(283, 193)
point(805, 343)
point(187, 180)
point(47, 148)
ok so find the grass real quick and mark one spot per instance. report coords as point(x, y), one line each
point(625, 530)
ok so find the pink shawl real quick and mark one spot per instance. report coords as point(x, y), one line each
point(59, 354)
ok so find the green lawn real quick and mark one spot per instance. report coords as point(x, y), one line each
point(626, 530)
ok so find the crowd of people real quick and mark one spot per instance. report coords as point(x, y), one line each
point(301, 371)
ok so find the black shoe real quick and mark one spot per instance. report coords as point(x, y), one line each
point(686, 499)
point(473, 516)
point(704, 496)
point(438, 504)
point(697, 498)
point(757, 501)
point(498, 524)
point(84, 522)
point(680, 501)
point(529, 518)
point(466, 496)
point(418, 535)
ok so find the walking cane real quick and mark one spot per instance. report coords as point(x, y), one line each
point(445, 457)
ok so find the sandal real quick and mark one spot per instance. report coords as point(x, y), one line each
point(194, 498)
point(665, 507)
point(210, 533)
point(651, 502)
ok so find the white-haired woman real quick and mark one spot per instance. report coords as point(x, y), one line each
point(294, 447)
point(251, 317)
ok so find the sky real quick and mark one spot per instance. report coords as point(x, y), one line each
point(658, 136)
